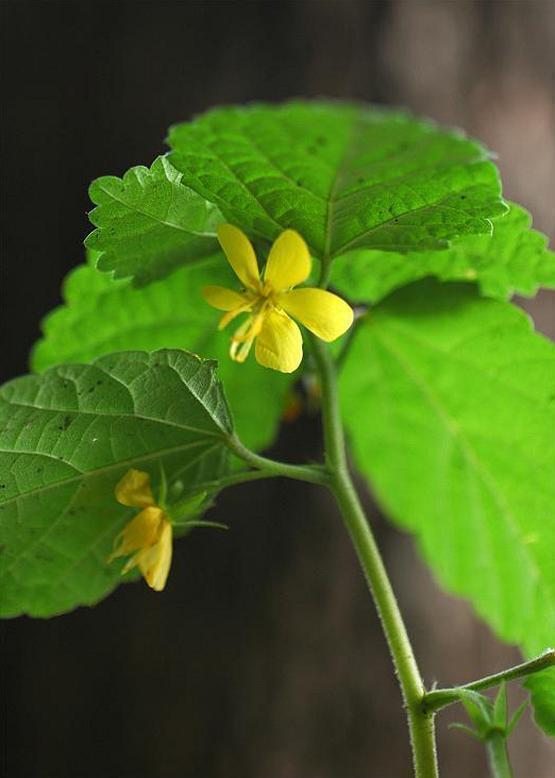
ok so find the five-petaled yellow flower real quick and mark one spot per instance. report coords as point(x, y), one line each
point(148, 537)
point(270, 299)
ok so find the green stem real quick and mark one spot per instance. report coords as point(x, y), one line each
point(498, 756)
point(314, 474)
point(242, 477)
point(421, 724)
point(440, 698)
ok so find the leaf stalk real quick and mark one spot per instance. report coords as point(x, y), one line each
point(437, 699)
point(267, 468)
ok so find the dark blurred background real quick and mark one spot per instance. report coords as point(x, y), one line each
point(264, 658)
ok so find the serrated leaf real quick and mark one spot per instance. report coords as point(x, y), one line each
point(345, 176)
point(148, 223)
point(67, 437)
point(101, 315)
point(452, 421)
point(514, 260)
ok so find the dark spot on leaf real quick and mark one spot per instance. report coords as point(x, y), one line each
point(99, 382)
point(2, 486)
point(66, 422)
point(300, 182)
point(321, 141)
point(360, 180)
point(44, 556)
point(463, 197)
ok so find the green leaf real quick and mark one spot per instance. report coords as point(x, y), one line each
point(101, 316)
point(479, 710)
point(148, 223)
point(514, 259)
point(67, 437)
point(463, 728)
point(542, 686)
point(500, 709)
point(516, 717)
point(345, 176)
point(452, 421)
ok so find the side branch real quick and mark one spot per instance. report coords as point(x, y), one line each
point(439, 698)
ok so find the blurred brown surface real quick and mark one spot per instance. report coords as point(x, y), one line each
point(264, 658)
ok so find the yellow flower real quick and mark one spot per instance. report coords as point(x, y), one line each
point(148, 537)
point(269, 300)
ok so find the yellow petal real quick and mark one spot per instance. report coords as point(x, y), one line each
point(240, 254)
point(279, 344)
point(134, 490)
point(288, 262)
point(323, 313)
point(154, 563)
point(141, 532)
point(224, 299)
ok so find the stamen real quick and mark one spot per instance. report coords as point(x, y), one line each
point(243, 338)
point(238, 338)
point(230, 315)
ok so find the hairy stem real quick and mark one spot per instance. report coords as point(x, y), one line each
point(421, 723)
point(498, 756)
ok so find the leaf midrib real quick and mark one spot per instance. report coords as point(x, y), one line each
point(83, 475)
point(103, 414)
point(157, 220)
point(465, 446)
point(394, 326)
